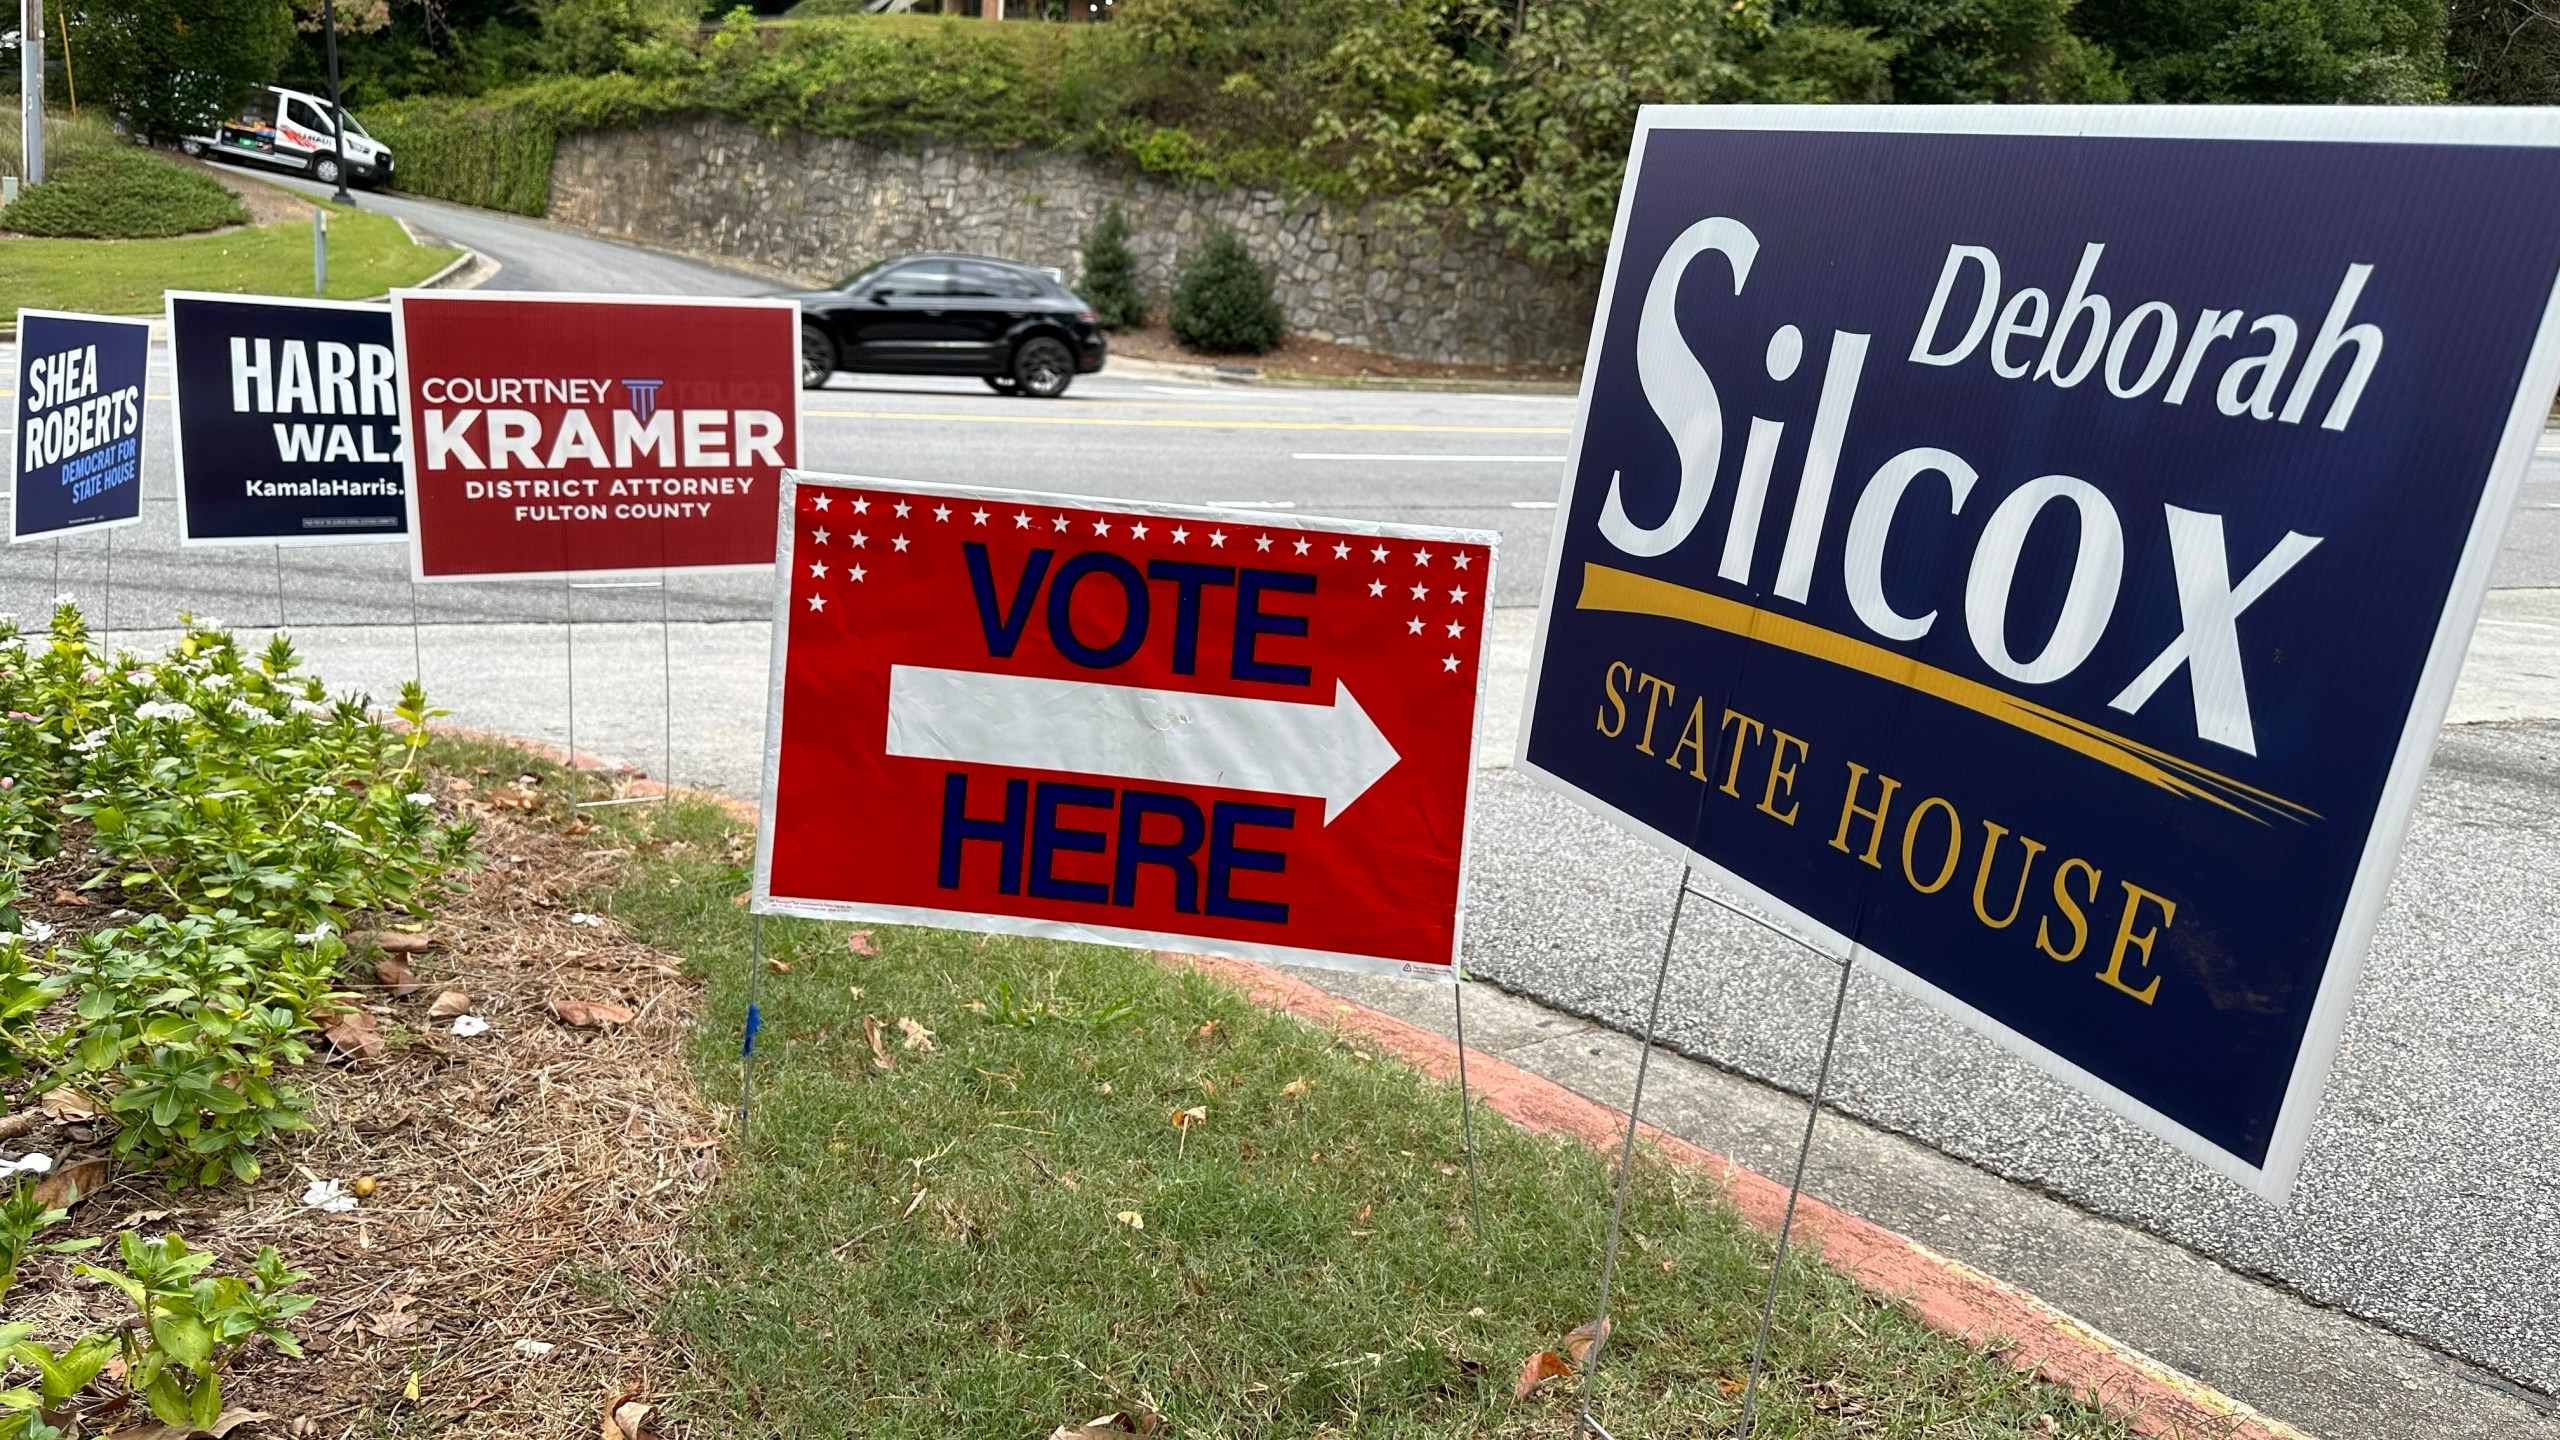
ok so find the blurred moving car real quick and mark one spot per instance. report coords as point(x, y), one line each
point(290, 130)
point(1017, 327)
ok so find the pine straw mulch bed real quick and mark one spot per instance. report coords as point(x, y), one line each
point(529, 1183)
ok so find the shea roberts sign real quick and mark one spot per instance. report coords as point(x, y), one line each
point(2031, 550)
point(288, 421)
point(1209, 731)
point(564, 435)
point(79, 433)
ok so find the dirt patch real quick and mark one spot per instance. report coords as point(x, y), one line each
point(527, 1184)
point(267, 204)
point(1322, 359)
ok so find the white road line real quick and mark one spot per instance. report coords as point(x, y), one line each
point(1438, 459)
point(1533, 504)
point(1253, 504)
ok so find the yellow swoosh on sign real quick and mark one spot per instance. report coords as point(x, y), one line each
point(1624, 592)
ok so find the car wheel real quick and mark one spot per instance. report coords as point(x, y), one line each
point(1043, 368)
point(817, 357)
point(190, 148)
point(325, 170)
point(1001, 384)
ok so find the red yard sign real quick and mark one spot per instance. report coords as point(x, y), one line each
point(1148, 725)
point(552, 435)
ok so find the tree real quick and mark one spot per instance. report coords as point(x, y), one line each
point(2503, 52)
point(174, 67)
point(1223, 304)
point(2273, 51)
point(1111, 273)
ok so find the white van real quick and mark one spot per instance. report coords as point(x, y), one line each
point(291, 131)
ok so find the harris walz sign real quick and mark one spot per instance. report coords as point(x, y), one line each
point(2032, 551)
point(288, 421)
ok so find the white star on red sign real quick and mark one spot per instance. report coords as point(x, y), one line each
point(1262, 542)
point(1460, 559)
point(1458, 596)
point(861, 505)
point(821, 536)
point(1421, 592)
point(941, 512)
point(1300, 546)
point(1421, 557)
point(820, 503)
point(1058, 523)
point(1101, 527)
point(1139, 530)
point(817, 569)
point(1413, 626)
point(1378, 554)
point(1377, 587)
point(1456, 630)
point(979, 514)
point(1217, 539)
point(1021, 520)
point(857, 572)
point(1450, 664)
point(903, 508)
point(900, 541)
point(817, 602)
point(1181, 536)
point(1341, 550)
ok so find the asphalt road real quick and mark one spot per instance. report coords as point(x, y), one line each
point(2429, 1202)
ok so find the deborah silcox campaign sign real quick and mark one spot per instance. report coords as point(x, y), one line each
point(78, 461)
point(288, 421)
point(554, 435)
point(2031, 550)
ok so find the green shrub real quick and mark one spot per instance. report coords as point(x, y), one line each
point(123, 194)
point(1223, 304)
point(493, 153)
point(173, 67)
point(1111, 273)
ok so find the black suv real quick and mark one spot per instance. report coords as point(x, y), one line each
point(1014, 327)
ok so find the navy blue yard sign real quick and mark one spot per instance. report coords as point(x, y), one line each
point(78, 443)
point(288, 421)
point(2032, 550)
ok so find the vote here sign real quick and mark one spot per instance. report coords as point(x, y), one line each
point(1213, 731)
point(557, 435)
point(288, 421)
point(78, 463)
point(2031, 550)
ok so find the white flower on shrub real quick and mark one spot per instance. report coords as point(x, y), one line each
point(91, 742)
point(164, 710)
point(317, 710)
point(328, 1195)
point(421, 799)
point(240, 706)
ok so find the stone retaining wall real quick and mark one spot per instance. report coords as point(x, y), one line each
point(821, 208)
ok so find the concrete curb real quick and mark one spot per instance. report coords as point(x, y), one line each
point(1988, 1313)
point(1209, 373)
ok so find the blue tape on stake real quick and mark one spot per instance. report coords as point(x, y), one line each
point(755, 1022)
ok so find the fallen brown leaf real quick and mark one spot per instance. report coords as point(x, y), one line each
point(1294, 1089)
point(396, 976)
point(1185, 1119)
point(66, 1103)
point(1579, 1341)
point(395, 1320)
point(1730, 1388)
point(628, 1419)
point(1111, 1426)
point(914, 1036)
point(861, 943)
point(449, 1004)
point(354, 1034)
point(68, 896)
point(592, 1014)
point(221, 1428)
point(1542, 1367)
point(872, 1031)
point(778, 967)
point(73, 1181)
point(397, 942)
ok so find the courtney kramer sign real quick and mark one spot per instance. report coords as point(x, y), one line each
point(564, 435)
point(1202, 730)
point(2031, 551)
point(78, 449)
point(288, 421)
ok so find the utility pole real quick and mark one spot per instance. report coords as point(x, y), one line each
point(31, 89)
point(337, 112)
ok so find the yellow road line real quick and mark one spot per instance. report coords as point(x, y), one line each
point(948, 417)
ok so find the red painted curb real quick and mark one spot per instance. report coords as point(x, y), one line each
point(1947, 1294)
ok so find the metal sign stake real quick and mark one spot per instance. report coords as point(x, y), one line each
point(107, 606)
point(667, 673)
point(755, 1022)
point(279, 587)
point(1466, 1106)
point(1795, 1189)
point(569, 620)
point(1627, 1159)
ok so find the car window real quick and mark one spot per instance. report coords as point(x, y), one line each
point(303, 114)
point(931, 278)
point(993, 282)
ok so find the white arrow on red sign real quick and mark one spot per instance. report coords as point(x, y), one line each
point(1172, 737)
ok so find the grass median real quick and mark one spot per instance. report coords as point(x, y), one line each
point(368, 255)
point(994, 1186)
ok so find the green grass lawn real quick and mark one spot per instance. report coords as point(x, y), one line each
point(368, 254)
point(1002, 1228)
